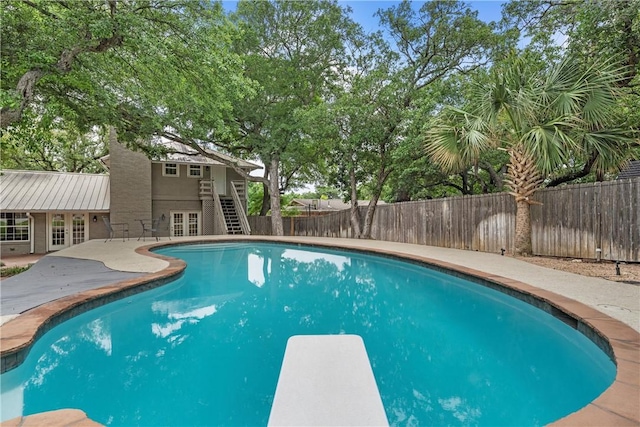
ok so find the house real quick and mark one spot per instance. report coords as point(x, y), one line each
point(314, 207)
point(47, 211)
point(188, 195)
point(631, 170)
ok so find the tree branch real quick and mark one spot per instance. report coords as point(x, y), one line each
point(25, 88)
point(586, 170)
point(39, 9)
point(212, 155)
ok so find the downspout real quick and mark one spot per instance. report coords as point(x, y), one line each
point(32, 237)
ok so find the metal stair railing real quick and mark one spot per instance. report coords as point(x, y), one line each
point(220, 222)
point(242, 215)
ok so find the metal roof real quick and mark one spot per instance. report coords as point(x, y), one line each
point(37, 191)
point(181, 153)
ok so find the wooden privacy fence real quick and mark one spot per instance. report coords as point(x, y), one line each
point(573, 221)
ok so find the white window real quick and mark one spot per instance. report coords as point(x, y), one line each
point(185, 224)
point(195, 171)
point(170, 169)
point(14, 227)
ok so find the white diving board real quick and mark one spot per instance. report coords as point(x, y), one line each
point(326, 380)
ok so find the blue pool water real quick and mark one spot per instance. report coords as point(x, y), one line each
point(207, 348)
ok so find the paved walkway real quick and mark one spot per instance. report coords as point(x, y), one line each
point(618, 300)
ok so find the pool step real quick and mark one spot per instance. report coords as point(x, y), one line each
point(326, 380)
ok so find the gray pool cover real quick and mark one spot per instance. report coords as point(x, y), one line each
point(54, 277)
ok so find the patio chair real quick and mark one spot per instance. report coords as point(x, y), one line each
point(164, 226)
point(149, 226)
point(116, 227)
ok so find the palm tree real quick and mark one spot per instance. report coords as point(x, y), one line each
point(545, 119)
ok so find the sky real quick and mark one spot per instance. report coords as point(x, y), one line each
point(363, 11)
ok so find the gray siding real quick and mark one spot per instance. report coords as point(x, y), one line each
point(139, 190)
point(165, 207)
point(97, 230)
point(170, 188)
point(15, 248)
point(130, 184)
point(173, 193)
point(232, 176)
point(40, 232)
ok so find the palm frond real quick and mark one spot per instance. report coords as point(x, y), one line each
point(548, 144)
point(612, 147)
point(456, 140)
point(555, 116)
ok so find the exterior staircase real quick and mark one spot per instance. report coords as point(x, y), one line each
point(231, 217)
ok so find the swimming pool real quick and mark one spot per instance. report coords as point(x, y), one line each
point(207, 348)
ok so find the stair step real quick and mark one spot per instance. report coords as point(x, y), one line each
point(231, 217)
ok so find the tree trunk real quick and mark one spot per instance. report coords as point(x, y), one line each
point(277, 229)
point(523, 229)
point(368, 218)
point(373, 203)
point(523, 179)
point(266, 200)
point(266, 195)
point(354, 217)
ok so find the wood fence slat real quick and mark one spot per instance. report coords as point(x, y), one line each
point(571, 222)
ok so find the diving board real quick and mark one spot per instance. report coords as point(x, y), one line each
point(326, 380)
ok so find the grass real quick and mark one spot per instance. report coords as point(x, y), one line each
point(12, 271)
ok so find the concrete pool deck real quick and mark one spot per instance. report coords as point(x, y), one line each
point(612, 309)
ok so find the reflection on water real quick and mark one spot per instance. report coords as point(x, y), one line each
point(207, 349)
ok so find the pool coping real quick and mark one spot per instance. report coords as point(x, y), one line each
point(616, 406)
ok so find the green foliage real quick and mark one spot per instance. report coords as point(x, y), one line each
point(42, 143)
point(12, 271)
point(255, 195)
point(320, 192)
point(294, 51)
point(558, 117)
point(300, 84)
point(254, 198)
point(374, 123)
point(136, 65)
point(291, 49)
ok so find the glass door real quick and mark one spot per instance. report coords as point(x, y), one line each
point(177, 224)
point(185, 224)
point(58, 232)
point(66, 229)
point(77, 221)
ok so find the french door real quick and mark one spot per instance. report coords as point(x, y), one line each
point(185, 224)
point(66, 229)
